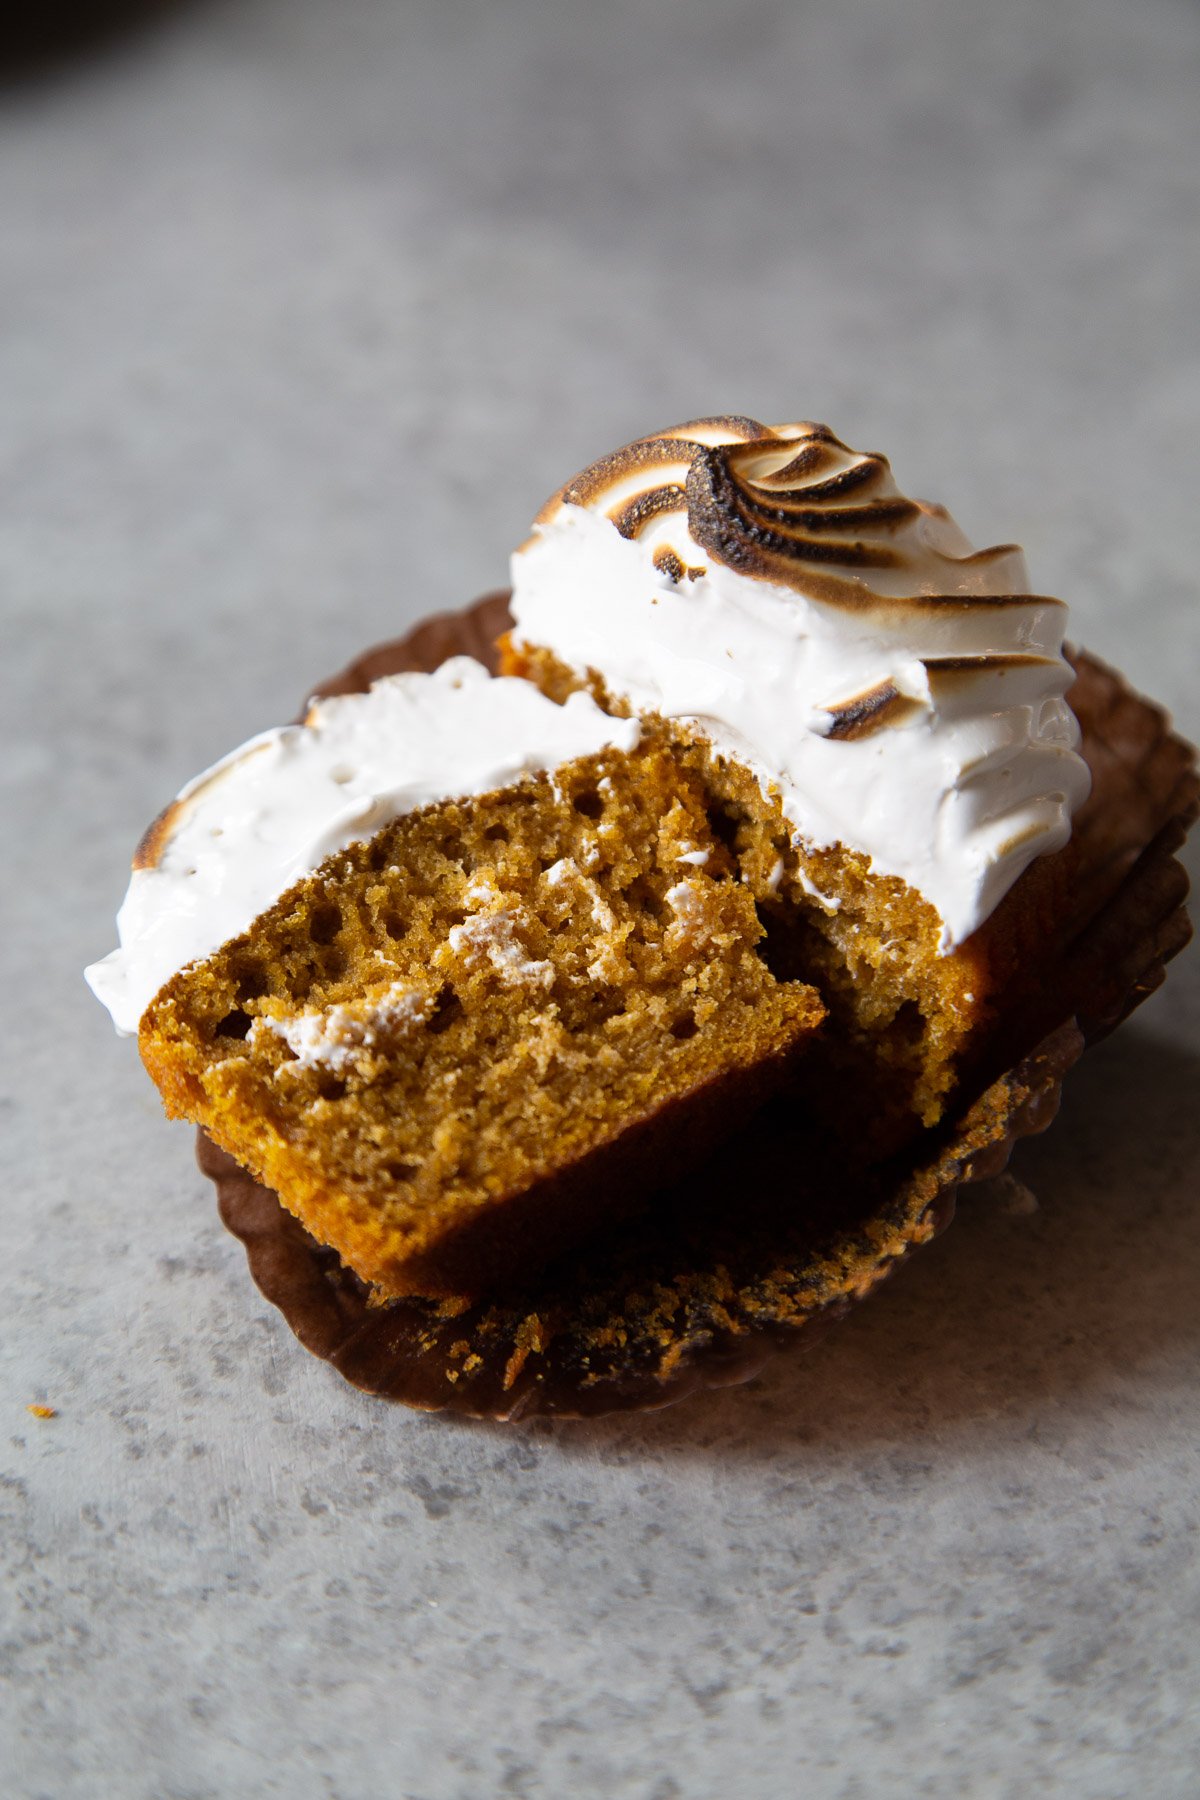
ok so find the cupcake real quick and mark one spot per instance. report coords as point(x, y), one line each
point(594, 1064)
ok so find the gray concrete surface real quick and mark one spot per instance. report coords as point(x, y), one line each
point(304, 308)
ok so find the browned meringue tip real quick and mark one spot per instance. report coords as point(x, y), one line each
point(689, 1300)
point(788, 504)
point(155, 838)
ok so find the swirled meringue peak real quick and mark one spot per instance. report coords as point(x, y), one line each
point(773, 590)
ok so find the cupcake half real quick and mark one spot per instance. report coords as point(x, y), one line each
point(876, 710)
point(460, 972)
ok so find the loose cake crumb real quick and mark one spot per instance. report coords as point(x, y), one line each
point(337, 1038)
point(496, 937)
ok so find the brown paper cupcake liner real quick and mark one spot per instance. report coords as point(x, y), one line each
point(698, 1294)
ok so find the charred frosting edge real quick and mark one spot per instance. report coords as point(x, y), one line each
point(775, 591)
point(264, 817)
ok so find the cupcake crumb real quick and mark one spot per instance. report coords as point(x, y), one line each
point(1014, 1197)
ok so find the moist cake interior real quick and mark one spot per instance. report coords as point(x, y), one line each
point(906, 1022)
point(478, 999)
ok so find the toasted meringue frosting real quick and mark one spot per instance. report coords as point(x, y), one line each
point(269, 814)
point(774, 591)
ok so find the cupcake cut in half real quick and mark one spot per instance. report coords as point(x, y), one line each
point(774, 793)
point(458, 971)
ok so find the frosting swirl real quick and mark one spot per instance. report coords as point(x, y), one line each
point(790, 504)
point(776, 590)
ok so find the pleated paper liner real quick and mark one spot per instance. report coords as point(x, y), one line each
point(765, 1247)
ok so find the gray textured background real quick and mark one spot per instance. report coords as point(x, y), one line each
point(304, 308)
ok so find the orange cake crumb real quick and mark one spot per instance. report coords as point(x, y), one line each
point(495, 1024)
point(905, 1019)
